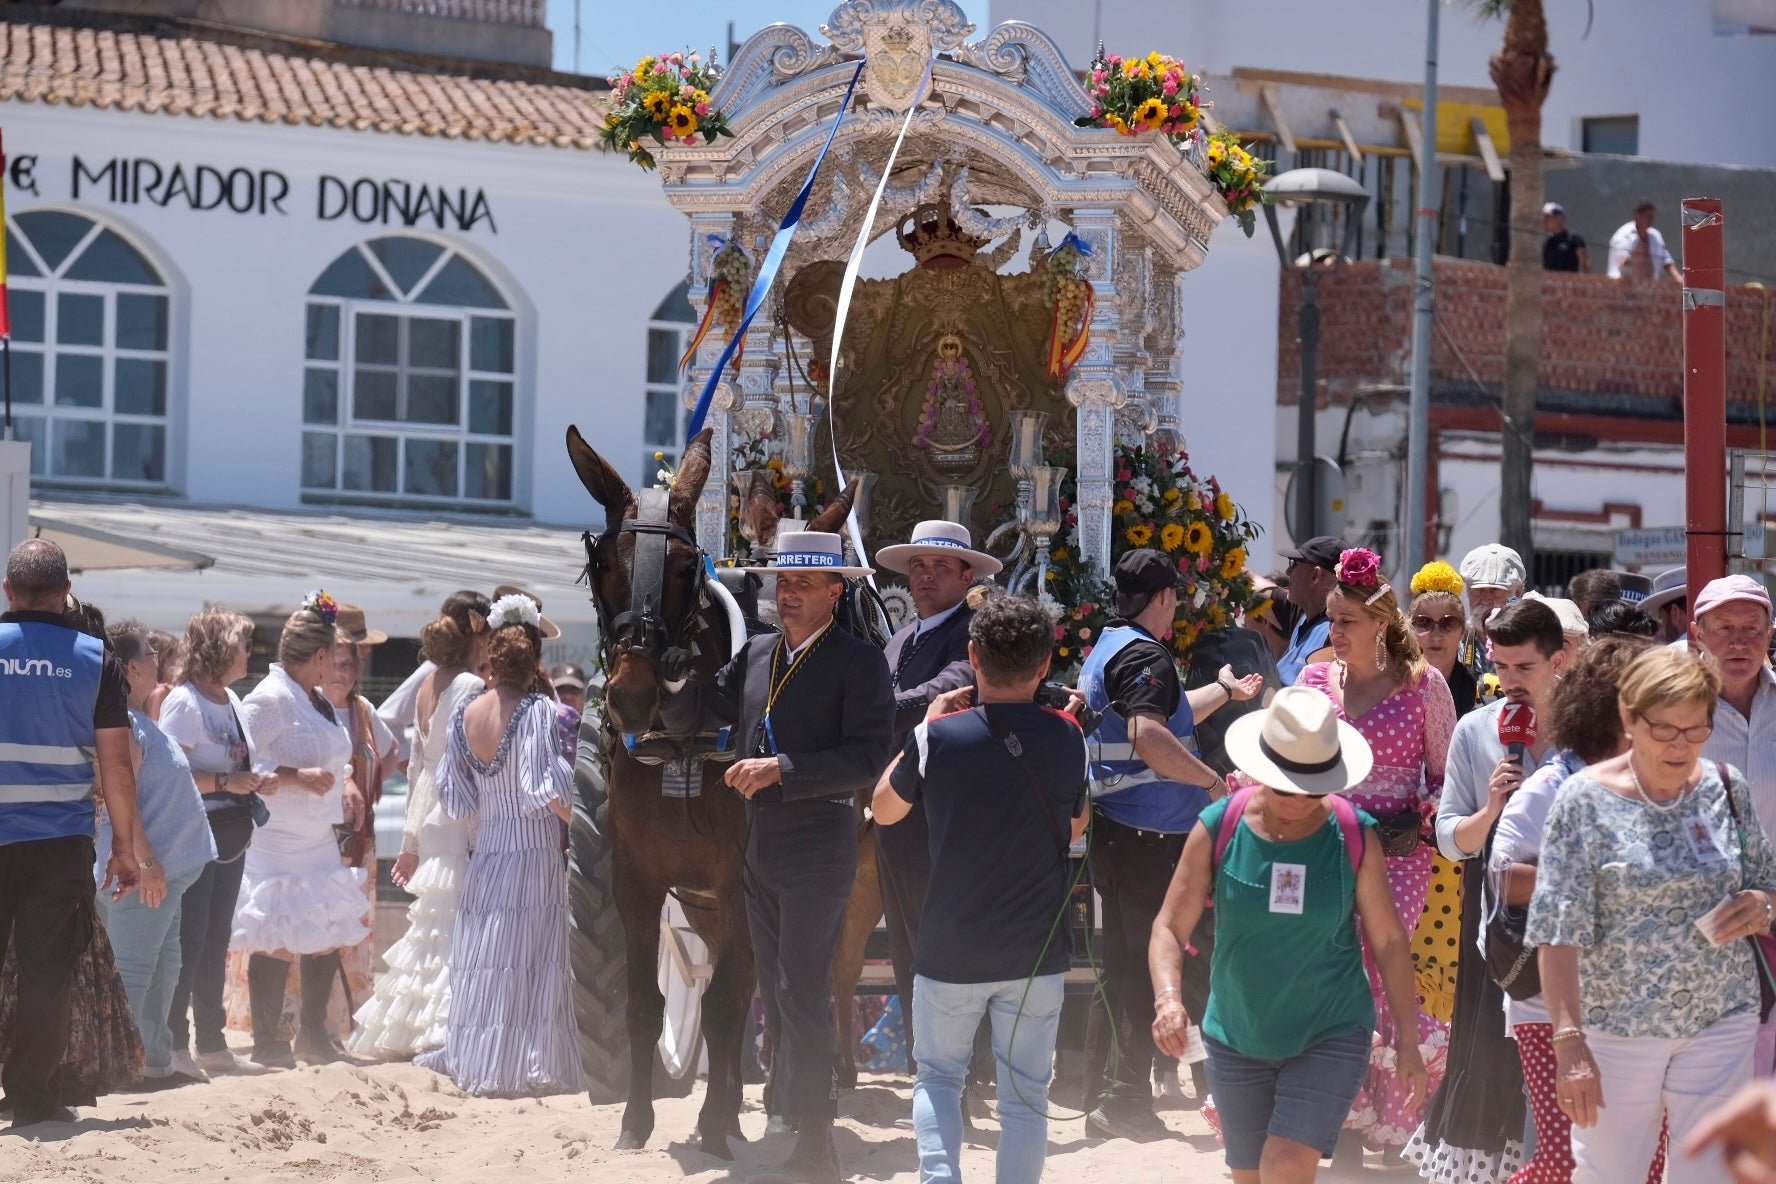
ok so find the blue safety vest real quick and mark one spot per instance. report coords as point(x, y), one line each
point(49, 686)
point(1305, 642)
point(1122, 785)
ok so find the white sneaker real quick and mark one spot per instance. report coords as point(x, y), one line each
point(182, 1062)
point(219, 1062)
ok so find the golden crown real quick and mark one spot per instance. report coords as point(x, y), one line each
point(929, 232)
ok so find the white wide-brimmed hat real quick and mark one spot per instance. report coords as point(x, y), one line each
point(549, 629)
point(1299, 745)
point(939, 537)
point(812, 550)
point(1668, 585)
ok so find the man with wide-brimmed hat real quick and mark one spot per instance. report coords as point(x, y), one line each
point(928, 657)
point(812, 713)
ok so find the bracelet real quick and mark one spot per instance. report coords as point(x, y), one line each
point(147, 864)
point(1568, 1034)
point(1164, 993)
point(1226, 686)
point(222, 783)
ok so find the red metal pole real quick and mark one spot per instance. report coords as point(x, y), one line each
point(1705, 390)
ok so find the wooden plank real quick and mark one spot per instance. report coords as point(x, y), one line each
point(1414, 137)
point(1273, 103)
point(1488, 152)
point(1350, 141)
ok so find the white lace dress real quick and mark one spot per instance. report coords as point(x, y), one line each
point(297, 896)
point(407, 1014)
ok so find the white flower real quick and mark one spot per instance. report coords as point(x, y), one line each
point(515, 610)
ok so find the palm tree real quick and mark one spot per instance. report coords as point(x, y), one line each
point(1522, 70)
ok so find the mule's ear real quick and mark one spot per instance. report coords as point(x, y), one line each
point(762, 511)
point(601, 481)
point(831, 519)
point(687, 485)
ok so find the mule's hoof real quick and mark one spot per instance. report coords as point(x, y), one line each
point(630, 1141)
point(715, 1145)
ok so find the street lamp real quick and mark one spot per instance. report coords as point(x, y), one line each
point(1305, 189)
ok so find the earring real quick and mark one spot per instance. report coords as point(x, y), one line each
point(1381, 662)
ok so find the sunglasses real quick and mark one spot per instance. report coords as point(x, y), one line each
point(1423, 624)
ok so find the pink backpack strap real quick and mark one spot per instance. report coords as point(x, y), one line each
point(1230, 820)
point(1351, 827)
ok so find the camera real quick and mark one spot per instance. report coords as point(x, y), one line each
point(1054, 695)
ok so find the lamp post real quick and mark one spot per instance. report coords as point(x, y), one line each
point(1306, 189)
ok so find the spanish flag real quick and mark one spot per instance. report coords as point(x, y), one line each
point(5, 316)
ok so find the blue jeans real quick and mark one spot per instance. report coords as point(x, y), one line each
point(1304, 1099)
point(945, 1016)
point(145, 943)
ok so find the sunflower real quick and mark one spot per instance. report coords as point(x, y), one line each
point(1172, 496)
point(1122, 506)
point(1233, 563)
point(1152, 113)
point(1134, 68)
point(1217, 152)
point(1224, 507)
point(683, 120)
point(1199, 538)
point(1171, 536)
point(1139, 535)
point(1217, 616)
point(659, 105)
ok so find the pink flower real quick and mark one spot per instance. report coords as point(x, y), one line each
point(1202, 564)
point(1359, 567)
point(701, 108)
point(1086, 652)
point(1085, 633)
point(1097, 111)
point(1097, 76)
point(1088, 608)
point(688, 141)
point(1114, 60)
point(1060, 633)
point(1123, 474)
point(1184, 564)
point(1169, 87)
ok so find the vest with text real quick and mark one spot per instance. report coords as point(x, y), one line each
point(49, 686)
point(1122, 785)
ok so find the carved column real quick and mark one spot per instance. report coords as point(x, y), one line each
point(1164, 338)
point(712, 507)
point(1096, 389)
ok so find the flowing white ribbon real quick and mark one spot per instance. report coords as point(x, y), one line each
point(846, 286)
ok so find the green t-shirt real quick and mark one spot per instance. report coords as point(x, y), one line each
point(1282, 981)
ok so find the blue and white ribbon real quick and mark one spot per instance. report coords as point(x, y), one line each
point(767, 273)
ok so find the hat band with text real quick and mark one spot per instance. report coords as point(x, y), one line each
point(807, 559)
point(938, 541)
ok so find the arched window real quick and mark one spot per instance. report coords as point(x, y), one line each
point(408, 390)
point(89, 351)
point(669, 331)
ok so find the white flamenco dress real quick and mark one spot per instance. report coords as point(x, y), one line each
point(408, 1012)
point(297, 896)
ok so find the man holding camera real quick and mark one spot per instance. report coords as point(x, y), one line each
point(1002, 781)
point(1148, 786)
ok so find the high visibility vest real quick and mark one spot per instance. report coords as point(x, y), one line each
point(49, 686)
point(1122, 785)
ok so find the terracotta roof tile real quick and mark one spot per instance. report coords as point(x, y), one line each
point(191, 76)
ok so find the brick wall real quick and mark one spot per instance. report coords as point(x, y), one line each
point(1599, 336)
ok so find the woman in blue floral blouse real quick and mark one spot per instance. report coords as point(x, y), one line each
point(1652, 1015)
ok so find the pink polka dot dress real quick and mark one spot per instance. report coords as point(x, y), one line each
point(1409, 732)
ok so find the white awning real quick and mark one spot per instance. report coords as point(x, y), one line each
point(162, 563)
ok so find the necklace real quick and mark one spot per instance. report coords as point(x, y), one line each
point(1640, 791)
point(1281, 832)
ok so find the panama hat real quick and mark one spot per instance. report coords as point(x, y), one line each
point(938, 537)
point(1669, 585)
point(351, 619)
point(1299, 745)
point(549, 629)
point(811, 550)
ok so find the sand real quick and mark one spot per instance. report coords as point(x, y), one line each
point(396, 1122)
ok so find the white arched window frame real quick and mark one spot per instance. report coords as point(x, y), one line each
point(410, 391)
point(663, 415)
point(91, 352)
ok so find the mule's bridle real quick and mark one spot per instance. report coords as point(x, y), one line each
point(643, 630)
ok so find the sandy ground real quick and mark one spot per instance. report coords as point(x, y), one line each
point(396, 1122)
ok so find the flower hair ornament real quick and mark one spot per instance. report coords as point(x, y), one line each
point(1360, 568)
point(322, 605)
point(515, 610)
point(1437, 576)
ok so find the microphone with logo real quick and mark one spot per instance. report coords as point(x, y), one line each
point(1517, 732)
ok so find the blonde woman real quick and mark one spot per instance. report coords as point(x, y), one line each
point(408, 1013)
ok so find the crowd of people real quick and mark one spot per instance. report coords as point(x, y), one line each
point(1491, 883)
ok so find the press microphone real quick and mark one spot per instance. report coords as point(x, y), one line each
point(1517, 730)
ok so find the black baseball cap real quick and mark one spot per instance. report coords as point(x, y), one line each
point(1139, 574)
point(1323, 550)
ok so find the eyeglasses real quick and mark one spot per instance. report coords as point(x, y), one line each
point(1666, 733)
point(1423, 624)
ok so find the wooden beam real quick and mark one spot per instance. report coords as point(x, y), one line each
point(1488, 151)
point(1414, 137)
point(1273, 103)
point(1209, 124)
point(1350, 141)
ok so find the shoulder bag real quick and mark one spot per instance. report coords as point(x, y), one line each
point(1763, 945)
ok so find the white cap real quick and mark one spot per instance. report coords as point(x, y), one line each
point(1493, 565)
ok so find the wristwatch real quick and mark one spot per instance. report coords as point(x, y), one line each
point(221, 783)
point(147, 864)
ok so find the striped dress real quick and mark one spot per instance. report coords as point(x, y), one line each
point(511, 1026)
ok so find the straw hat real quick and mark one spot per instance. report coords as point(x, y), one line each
point(1669, 585)
point(351, 619)
point(811, 550)
point(549, 629)
point(938, 537)
point(1299, 745)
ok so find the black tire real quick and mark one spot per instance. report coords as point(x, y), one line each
point(595, 939)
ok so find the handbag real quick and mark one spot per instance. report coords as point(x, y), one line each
point(1763, 945)
point(1511, 964)
point(1400, 833)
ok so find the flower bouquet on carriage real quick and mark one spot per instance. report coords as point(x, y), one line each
point(665, 99)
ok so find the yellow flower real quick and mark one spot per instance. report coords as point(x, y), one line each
point(699, 97)
point(1437, 576)
point(1199, 538)
point(1192, 502)
point(1152, 113)
point(1224, 507)
point(1134, 68)
point(1058, 554)
point(1116, 122)
point(1233, 563)
point(1172, 496)
point(1171, 536)
point(1122, 506)
point(1063, 651)
point(774, 463)
point(1217, 616)
point(1217, 152)
point(1139, 535)
point(683, 120)
point(658, 104)
point(1188, 119)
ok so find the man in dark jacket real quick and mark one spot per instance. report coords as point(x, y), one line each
point(928, 657)
point(812, 713)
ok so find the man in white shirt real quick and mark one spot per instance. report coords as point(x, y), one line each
point(1732, 625)
point(1637, 250)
